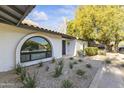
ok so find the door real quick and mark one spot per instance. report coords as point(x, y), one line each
point(63, 47)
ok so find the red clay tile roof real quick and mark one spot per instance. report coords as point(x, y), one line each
point(25, 25)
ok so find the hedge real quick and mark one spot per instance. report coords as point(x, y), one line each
point(91, 51)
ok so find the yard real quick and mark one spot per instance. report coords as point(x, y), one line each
point(45, 73)
point(76, 72)
point(87, 37)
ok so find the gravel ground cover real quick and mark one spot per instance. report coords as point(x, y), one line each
point(45, 73)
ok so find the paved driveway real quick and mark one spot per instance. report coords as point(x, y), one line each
point(112, 75)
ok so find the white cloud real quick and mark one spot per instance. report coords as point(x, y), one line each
point(30, 22)
point(67, 10)
point(69, 7)
point(62, 27)
point(63, 10)
point(39, 15)
point(53, 27)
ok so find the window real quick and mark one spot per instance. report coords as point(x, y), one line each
point(35, 48)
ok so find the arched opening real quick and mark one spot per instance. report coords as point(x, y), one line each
point(35, 48)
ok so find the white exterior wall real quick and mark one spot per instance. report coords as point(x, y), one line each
point(74, 46)
point(81, 44)
point(70, 48)
point(11, 37)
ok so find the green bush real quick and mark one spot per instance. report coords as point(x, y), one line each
point(80, 72)
point(66, 84)
point(91, 51)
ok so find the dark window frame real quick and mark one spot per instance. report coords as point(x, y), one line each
point(48, 54)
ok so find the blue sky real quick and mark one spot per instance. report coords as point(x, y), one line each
point(51, 16)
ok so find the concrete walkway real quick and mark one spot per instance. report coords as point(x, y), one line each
point(108, 77)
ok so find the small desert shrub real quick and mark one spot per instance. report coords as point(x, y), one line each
point(19, 69)
point(80, 60)
point(23, 74)
point(53, 60)
point(29, 82)
point(40, 64)
point(61, 62)
point(108, 61)
point(47, 68)
point(80, 53)
point(75, 62)
point(91, 51)
point(88, 65)
point(71, 58)
point(122, 65)
point(71, 65)
point(67, 84)
point(101, 52)
point(80, 72)
point(58, 71)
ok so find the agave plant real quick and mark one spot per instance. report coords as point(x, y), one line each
point(80, 72)
point(88, 65)
point(71, 65)
point(18, 69)
point(53, 60)
point(58, 71)
point(29, 81)
point(40, 64)
point(67, 84)
point(23, 74)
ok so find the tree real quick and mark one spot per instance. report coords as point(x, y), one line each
point(101, 23)
point(71, 28)
point(118, 36)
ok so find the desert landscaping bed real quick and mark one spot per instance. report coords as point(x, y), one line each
point(78, 71)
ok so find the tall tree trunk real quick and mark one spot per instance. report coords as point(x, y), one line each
point(116, 46)
point(108, 47)
point(90, 43)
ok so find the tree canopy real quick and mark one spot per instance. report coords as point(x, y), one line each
point(102, 23)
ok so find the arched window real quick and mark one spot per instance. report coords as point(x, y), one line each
point(35, 48)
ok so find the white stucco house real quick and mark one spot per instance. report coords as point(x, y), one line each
point(27, 44)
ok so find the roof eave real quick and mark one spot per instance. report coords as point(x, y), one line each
point(26, 13)
point(45, 30)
